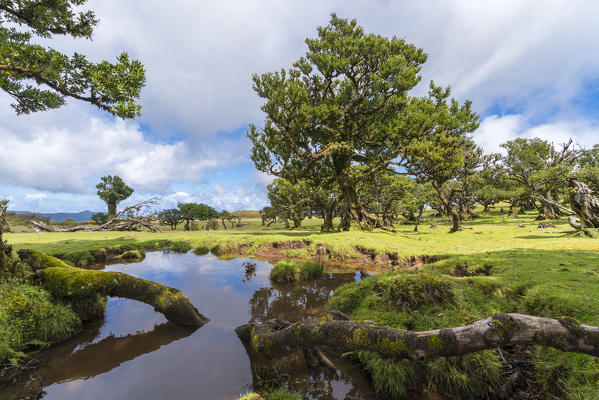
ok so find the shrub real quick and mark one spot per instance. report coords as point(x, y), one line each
point(202, 250)
point(291, 271)
point(180, 247)
point(415, 290)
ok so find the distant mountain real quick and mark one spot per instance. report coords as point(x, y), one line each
point(61, 217)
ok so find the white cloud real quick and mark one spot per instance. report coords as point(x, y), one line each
point(36, 196)
point(61, 160)
point(495, 130)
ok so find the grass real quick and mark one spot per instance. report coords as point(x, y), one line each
point(31, 318)
point(291, 271)
point(497, 264)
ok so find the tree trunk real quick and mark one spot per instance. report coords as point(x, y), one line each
point(277, 338)
point(223, 221)
point(584, 204)
point(418, 218)
point(70, 283)
point(111, 209)
point(327, 213)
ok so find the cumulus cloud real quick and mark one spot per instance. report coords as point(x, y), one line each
point(60, 160)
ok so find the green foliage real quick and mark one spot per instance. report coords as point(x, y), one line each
point(31, 317)
point(99, 218)
point(415, 290)
point(111, 87)
point(112, 190)
point(291, 271)
point(192, 211)
point(336, 106)
point(171, 216)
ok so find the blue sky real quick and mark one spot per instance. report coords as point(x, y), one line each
point(530, 68)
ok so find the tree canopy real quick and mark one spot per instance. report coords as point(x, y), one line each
point(39, 78)
point(344, 105)
point(112, 190)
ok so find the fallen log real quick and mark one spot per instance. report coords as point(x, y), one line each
point(76, 284)
point(276, 338)
point(132, 218)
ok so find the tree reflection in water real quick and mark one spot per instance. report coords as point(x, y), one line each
point(295, 300)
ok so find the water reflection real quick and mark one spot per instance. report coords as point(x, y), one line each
point(135, 354)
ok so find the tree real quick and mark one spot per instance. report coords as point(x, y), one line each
point(290, 200)
point(111, 87)
point(193, 211)
point(171, 216)
point(588, 167)
point(112, 190)
point(414, 200)
point(342, 104)
point(443, 149)
point(541, 169)
point(99, 218)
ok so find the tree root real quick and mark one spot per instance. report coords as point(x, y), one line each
point(277, 338)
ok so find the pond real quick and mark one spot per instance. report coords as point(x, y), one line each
point(134, 353)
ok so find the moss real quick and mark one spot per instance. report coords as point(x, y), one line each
point(360, 337)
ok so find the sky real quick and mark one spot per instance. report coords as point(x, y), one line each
point(531, 69)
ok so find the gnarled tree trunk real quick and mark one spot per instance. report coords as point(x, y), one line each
point(277, 338)
point(73, 284)
point(584, 204)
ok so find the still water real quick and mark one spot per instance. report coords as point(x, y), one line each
point(136, 354)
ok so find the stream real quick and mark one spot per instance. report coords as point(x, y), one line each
point(134, 353)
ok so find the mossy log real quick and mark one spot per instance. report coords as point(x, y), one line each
point(73, 284)
point(277, 338)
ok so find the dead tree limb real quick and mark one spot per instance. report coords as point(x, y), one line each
point(133, 218)
point(277, 338)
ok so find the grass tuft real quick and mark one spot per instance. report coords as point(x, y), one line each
point(290, 271)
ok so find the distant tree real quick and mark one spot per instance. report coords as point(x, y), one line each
point(99, 218)
point(171, 216)
point(112, 190)
point(541, 169)
point(193, 211)
point(416, 197)
point(290, 200)
point(343, 104)
point(69, 220)
point(111, 87)
point(588, 167)
point(268, 215)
